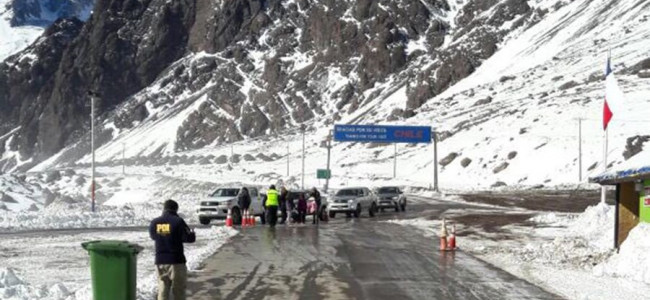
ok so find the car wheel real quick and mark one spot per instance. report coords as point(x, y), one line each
point(236, 216)
point(204, 221)
point(323, 214)
point(373, 210)
point(396, 207)
point(263, 218)
point(403, 206)
point(357, 213)
point(332, 215)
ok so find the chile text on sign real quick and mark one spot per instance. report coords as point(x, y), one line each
point(382, 134)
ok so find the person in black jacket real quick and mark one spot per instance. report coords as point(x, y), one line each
point(169, 232)
point(244, 199)
point(283, 198)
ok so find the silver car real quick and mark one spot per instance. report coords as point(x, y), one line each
point(216, 205)
point(391, 197)
point(353, 201)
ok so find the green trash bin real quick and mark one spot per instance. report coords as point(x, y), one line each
point(113, 269)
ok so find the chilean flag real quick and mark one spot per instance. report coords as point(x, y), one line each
point(613, 96)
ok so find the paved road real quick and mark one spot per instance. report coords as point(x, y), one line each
point(351, 259)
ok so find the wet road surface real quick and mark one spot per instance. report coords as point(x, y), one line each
point(351, 259)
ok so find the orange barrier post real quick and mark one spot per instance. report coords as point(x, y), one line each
point(443, 236)
point(229, 219)
point(451, 244)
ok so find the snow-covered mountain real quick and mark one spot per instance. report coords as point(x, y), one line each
point(503, 82)
point(23, 21)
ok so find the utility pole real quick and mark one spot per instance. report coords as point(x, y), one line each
point(395, 162)
point(123, 159)
point(435, 161)
point(329, 148)
point(580, 149)
point(92, 147)
point(302, 128)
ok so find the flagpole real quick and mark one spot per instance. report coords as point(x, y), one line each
point(603, 192)
point(602, 188)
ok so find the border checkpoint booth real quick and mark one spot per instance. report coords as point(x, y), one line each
point(632, 181)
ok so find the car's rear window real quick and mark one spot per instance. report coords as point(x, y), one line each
point(225, 193)
point(388, 190)
point(348, 192)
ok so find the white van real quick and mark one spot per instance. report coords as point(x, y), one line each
point(352, 201)
point(216, 205)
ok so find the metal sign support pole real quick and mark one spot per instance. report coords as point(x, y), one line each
point(435, 161)
point(395, 162)
point(329, 149)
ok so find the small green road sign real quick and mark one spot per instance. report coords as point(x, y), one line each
point(323, 174)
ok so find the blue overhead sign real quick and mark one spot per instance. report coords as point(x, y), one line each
point(382, 134)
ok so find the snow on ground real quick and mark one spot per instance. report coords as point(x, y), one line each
point(31, 265)
point(60, 200)
point(569, 254)
point(633, 259)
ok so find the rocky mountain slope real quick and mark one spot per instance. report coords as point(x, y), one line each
point(261, 64)
point(177, 78)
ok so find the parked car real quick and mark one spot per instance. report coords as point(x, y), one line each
point(352, 201)
point(216, 205)
point(391, 197)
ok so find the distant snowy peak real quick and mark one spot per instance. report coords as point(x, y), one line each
point(44, 12)
point(23, 21)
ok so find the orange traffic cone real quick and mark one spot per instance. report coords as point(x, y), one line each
point(252, 217)
point(443, 236)
point(229, 219)
point(244, 219)
point(451, 243)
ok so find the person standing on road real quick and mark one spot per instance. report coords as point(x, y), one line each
point(169, 232)
point(316, 195)
point(284, 194)
point(302, 208)
point(244, 199)
point(272, 205)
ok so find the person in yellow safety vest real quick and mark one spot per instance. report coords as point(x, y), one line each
point(272, 205)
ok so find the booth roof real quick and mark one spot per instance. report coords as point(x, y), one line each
point(637, 167)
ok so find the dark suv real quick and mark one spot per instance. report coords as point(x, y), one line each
point(391, 197)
